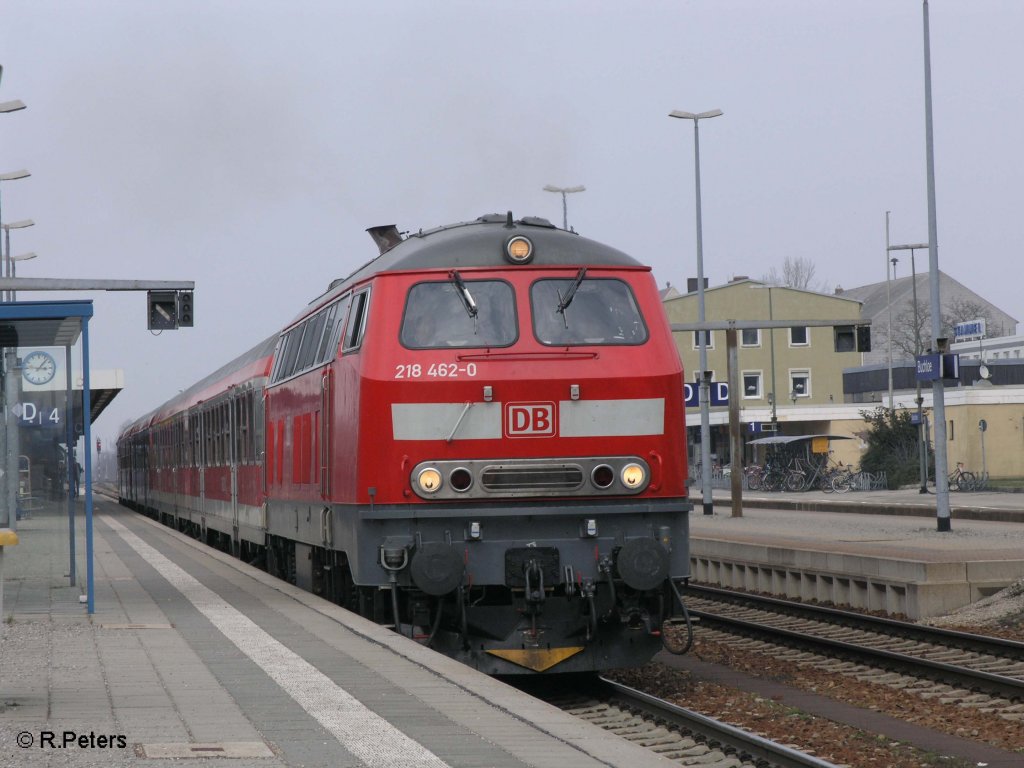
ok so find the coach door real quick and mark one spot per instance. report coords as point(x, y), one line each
point(205, 456)
point(194, 462)
point(324, 433)
point(235, 406)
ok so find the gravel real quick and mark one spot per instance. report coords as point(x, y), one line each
point(1001, 614)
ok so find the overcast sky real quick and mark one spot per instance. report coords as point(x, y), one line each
point(247, 145)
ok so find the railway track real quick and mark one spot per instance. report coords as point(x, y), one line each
point(955, 667)
point(675, 733)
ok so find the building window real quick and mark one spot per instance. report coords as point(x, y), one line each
point(799, 384)
point(752, 385)
point(711, 339)
point(750, 337)
point(798, 336)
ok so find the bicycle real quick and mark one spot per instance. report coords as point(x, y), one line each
point(962, 480)
point(753, 476)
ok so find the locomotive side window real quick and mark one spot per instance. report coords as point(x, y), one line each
point(356, 321)
point(457, 313)
point(308, 344)
point(586, 311)
point(332, 331)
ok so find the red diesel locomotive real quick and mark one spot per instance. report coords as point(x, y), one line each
point(477, 438)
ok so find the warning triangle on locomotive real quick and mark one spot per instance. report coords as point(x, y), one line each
point(477, 438)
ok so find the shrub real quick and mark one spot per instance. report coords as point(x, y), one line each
point(892, 446)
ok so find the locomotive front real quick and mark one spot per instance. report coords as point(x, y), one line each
point(524, 491)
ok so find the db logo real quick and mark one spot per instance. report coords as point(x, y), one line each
point(529, 420)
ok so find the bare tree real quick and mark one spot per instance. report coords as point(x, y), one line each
point(797, 272)
point(912, 332)
point(960, 310)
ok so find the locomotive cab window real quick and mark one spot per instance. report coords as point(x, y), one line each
point(356, 326)
point(460, 313)
point(581, 311)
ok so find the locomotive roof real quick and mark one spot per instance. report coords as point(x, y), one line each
point(481, 243)
point(478, 243)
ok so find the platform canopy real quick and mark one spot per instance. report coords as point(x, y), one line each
point(42, 323)
point(53, 324)
point(790, 439)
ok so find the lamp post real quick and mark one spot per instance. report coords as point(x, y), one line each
point(14, 271)
point(702, 335)
point(11, 383)
point(942, 511)
point(888, 299)
point(563, 191)
point(888, 303)
point(922, 443)
point(11, 176)
point(8, 270)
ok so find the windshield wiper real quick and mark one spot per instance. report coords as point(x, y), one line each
point(464, 294)
point(565, 301)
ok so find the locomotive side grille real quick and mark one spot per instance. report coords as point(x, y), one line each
point(558, 477)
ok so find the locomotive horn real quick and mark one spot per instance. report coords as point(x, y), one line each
point(386, 237)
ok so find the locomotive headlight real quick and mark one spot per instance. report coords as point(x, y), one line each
point(633, 476)
point(519, 250)
point(429, 480)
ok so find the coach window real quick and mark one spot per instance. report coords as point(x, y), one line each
point(461, 314)
point(570, 312)
point(356, 326)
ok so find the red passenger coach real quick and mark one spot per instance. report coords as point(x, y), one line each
point(478, 438)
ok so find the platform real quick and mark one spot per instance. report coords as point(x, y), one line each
point(193, 656)
point(877, 550)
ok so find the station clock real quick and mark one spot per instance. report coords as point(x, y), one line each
point(38, 367)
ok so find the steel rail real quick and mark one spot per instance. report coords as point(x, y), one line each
point(745, 746)
point(1008, 687)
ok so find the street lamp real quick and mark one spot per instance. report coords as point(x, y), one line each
point(702, 335)
point(11, 106)
point(888, 301)
point(14, 272)
point(11, 176)
point(8, 268)
point(11, 383)
point(922, 443)
point(942, 511)
point(563, 191)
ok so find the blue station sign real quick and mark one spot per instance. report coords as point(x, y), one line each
point(718, 391)
point(929, 367)
point(934, 367)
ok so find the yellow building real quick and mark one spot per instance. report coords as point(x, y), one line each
point(801, 366)
point(782, 371)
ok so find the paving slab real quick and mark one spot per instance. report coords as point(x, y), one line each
point(192, 658)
